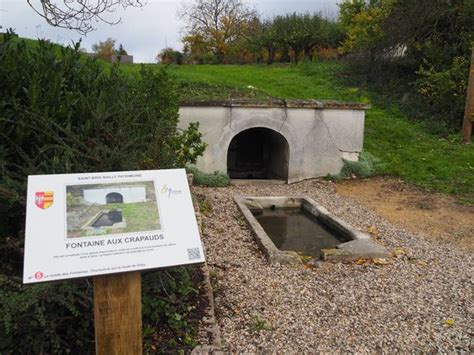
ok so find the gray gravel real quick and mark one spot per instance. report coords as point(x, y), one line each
point(421, 301)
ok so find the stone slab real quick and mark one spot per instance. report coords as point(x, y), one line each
point(355, 249)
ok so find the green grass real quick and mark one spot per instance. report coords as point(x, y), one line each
point(224, 81)
point(405, 147)
point(140, 216)
point(33, 42)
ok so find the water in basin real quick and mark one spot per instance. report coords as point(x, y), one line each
point(297, 230)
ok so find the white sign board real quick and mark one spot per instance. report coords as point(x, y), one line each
point(81, 225)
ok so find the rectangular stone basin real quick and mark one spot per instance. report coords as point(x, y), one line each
point(292, 229)
point(295, 229)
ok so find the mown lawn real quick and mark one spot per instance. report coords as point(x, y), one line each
point(405, 147)
point(139, 216)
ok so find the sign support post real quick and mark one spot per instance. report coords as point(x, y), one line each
point(469, 108)
point(118, 314)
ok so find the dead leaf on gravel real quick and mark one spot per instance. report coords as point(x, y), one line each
point(448, 322)
point(361, 261)
point(375, 233)
point(381, 261)
point(373, 230)
point(422, 263)
point(304, 257)
point(399, 252)
point(241, 221)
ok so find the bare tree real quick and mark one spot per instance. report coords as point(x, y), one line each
point(79, 14)
point(219, 22)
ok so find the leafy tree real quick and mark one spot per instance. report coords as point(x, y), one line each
point(363, 24)
point(334, 34)
point(302, 34)
point(105, 50)
point(266, 38)
point(423, 45)
point(198, 50)
point(121, 50)
point(218, 23)
point(169, 56)
point(246, 49)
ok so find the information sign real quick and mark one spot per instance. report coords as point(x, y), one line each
point(80, 225)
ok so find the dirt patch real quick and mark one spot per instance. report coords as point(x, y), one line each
point(432, 214)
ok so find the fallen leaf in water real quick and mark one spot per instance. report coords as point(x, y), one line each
point(448, 323)
point(381, 261)
point(399, 252)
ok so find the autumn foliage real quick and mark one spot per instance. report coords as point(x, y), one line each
point(227, 31)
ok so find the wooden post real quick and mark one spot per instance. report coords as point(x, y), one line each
point(118, 314)
point(469, 108)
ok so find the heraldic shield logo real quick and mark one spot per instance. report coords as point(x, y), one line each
point(44, 199)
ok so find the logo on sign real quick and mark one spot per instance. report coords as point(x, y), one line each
point(44, 199)
point(169, 191)
point(38, 275)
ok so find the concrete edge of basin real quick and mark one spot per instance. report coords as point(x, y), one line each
point(334, 222)
point(358, 245)
point(271, 252)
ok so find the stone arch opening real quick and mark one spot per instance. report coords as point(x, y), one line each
point(258, 153)
point(114, 197)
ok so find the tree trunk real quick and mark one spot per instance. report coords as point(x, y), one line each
point(307, 53)
point(469, 108)
point(285, 57)
point(271, 55)
point(296, 53)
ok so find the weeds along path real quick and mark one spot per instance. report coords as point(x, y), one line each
point(421, 301)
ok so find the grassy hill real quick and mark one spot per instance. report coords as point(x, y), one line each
point(404, 146)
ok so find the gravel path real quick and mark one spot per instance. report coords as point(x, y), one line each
point(422, 301)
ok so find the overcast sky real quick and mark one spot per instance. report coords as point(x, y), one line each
point(143, 31)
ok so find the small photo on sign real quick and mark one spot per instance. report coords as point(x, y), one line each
point(105, 209)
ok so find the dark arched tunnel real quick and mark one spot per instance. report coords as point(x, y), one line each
point(258, 153)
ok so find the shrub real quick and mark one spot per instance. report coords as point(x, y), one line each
point(170, 56)
point(45, 318)
point(366, 166)
point(168, 321)
point(445, 90)
point(215, 179)
point(63, 113)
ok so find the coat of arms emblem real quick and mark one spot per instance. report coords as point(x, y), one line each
point(44, 199)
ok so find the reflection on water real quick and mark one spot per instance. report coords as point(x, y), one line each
point(297, 230)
